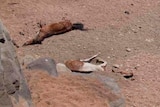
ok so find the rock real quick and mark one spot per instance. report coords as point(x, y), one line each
point(116, 99)
point(110, 82)
point(137, 66)
point(114, 95)
point(14, 91)
point(127, 74)
point(4, 32)
point(46, 64)
point(116, 66)
point(21, 33)
point(128, 49)
point(149, 40)
point(127, 12)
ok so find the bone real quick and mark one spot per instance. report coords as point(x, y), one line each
point(91, 58)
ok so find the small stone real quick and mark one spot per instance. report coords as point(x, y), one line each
point(127, 75)
point(108, 57)
point(35, 95)
point(115, 70)
point(47, 102)
point(128, 50)
point(126, 12)
point(139, 27)
point(149, 40)
point(116, 66)
point(21, 33)
point(137, 66)
point(132, 79)
point(113, 55)
point(97, 38)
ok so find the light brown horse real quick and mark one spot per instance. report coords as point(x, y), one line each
point(84, 65)
point(53, 29)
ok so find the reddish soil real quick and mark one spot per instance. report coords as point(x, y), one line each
point(66, 91)
point(144, 90)
point(125, 32)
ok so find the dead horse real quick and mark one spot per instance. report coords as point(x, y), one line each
point(54, 29)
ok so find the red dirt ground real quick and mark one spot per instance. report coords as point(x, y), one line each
point(125, 32)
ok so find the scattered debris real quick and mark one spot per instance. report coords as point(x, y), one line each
point(125, 74)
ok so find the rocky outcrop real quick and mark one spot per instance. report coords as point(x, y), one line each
point(72, 89)
point(14, 91)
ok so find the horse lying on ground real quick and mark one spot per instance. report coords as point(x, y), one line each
point(85, 65)
point(54, 29)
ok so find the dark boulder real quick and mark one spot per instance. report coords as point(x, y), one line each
point(46, 64)
point(14, 91)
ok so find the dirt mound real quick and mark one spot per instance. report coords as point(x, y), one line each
point(70, 90)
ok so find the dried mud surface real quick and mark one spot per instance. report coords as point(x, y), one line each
point(125, 32)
